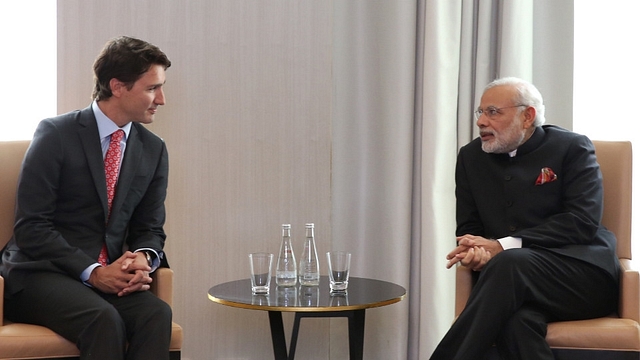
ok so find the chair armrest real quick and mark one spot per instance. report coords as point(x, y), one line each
point(162, 284)
point(1, 300)
point(629, 307)
point(464, 284)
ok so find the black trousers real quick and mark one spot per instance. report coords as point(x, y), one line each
point(137, 326)
point(518, 292)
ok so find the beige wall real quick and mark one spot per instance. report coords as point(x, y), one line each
point(248, 127)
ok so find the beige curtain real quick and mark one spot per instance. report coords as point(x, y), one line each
point(372, 132)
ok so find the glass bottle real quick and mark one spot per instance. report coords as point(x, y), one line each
point(286, 272)
point(309, 272)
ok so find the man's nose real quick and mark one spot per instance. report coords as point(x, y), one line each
point(482, 120)
point(160, 100)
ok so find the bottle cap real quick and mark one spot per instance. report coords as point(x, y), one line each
point(308, 225)
point(286, 226)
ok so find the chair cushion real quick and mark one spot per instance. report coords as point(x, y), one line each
point(24, 341)
point(602, 333)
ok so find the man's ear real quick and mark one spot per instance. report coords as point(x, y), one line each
point(529, 116)
point(117, 87)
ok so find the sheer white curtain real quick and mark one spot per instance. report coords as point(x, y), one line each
point(407, 76)
point(28, 37)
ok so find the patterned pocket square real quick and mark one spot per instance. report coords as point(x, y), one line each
point(546, 175)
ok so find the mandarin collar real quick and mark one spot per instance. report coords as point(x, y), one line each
point(533, 143)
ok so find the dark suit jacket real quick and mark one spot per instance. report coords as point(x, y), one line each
point(61, 209)
point(497, 196)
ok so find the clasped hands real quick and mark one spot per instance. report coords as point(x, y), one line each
point(473, 252)
point(128, 274)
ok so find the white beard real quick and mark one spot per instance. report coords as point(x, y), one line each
point(505, 142)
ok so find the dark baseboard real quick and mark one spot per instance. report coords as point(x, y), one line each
point(576, 354)
point(173, 355)
point(579, 354)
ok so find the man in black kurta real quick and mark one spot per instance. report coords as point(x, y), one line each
point(529, 207)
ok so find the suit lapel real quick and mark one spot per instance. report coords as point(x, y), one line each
point(132, 156)
point(90, 139)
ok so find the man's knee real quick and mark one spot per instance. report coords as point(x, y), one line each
point(163, 311)
point(156, 312)
point(527, 320)
point(526, 323)
point(105, 329)
point(107, 317)
point(511, 260)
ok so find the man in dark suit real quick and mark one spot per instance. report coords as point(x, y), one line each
point(66, 220)
point(529, 205)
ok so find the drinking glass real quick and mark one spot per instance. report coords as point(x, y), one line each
point(260, 272)
point(339, 263)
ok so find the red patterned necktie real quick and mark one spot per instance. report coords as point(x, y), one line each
point(111, 169)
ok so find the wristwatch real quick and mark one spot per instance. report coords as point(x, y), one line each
point(149, 259)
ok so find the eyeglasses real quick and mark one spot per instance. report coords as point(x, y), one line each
point(493, 111)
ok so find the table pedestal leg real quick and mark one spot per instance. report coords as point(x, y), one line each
point(356, 331)
point(294, 336)
point(356, 335)
point(277, 335)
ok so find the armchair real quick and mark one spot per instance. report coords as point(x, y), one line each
point(618, 335)
point(26, 341)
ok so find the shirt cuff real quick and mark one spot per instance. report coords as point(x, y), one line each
point(510, 242)
point(155, 263)
point(84, 276)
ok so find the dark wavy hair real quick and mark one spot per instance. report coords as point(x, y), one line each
point(126, 59)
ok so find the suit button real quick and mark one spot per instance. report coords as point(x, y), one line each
point(512, 228)
point(507, 177)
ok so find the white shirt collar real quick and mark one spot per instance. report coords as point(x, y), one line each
point(106, 126)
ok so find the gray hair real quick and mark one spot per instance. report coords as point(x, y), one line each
point(526, 94)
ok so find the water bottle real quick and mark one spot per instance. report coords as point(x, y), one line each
point(309, 274)
point(286, 274)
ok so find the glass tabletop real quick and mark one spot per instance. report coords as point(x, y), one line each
point(362, 293)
